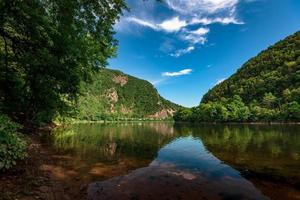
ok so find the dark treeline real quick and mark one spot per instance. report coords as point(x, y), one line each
point(266, 88)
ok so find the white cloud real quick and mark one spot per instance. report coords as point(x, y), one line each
point(200, 31)
point(143, 23)
point(181, 52)
point(201, 7)
point(221, 20)
point(173, 24)
point(220, 81)
point(157, 82)
point(179, 73)
point(183, 22)
point(195, 39)
point(170, 25)
point(197, 36)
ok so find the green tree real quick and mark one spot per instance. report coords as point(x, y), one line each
point(238, 111)
point(13, 147)
point(269, 100)
point(183, 115)
point(291, 111)
point(47, 48)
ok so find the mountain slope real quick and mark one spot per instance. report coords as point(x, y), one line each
point(272, 71)
point(113, 95)
point(265, 88)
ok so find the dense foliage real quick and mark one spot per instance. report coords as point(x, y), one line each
point(266, 88)
point(113, 95)
point(47, 48)
point(12, 145)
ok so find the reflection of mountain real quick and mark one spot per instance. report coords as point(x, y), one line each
point(102, 151)
point(109, 142)
point(269, 150)
point(268, 156)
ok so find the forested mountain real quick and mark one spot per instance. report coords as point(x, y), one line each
point(114, 95)
point(267, 87)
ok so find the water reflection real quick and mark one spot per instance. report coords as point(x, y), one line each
point(97, 151)
point(182, 162)
point(263, 149)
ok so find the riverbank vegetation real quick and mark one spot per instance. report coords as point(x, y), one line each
point(264, 89)
point(12, 144)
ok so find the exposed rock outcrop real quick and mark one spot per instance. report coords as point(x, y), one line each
point(122, 80)
point(164, 113)
point(113, 97)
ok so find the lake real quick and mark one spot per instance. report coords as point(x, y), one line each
point(160, 160)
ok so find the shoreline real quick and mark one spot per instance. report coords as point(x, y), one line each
point(175, 122)
point(36, 177)
point(239, 123)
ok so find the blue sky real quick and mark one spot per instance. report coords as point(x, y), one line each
point(185, 47)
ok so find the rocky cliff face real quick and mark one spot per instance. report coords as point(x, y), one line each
point(113, 94)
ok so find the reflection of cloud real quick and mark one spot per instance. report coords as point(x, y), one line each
point(185, 175)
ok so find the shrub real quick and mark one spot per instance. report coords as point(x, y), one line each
point(12, 145)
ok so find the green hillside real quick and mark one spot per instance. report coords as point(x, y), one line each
point(266, 88)
point(114, 95)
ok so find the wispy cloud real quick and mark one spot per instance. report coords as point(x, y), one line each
point(220, 81)
point(170, 25)
point(181, 52)
point(220, 20)
point(174, 25)
point(200, 31)
point(196, 36)
point(181, 21)
point(201, 6)
point(179, 73)
point(157, 82)
point(144, 23)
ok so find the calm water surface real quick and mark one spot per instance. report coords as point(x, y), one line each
point(166, 161)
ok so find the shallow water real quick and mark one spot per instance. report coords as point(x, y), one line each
point(166, 161)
